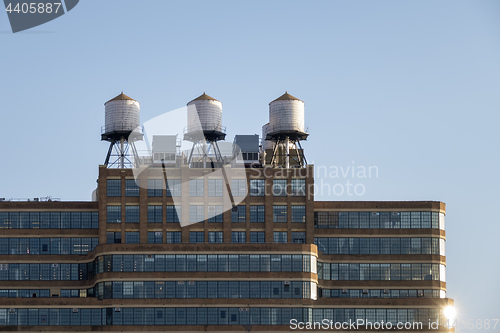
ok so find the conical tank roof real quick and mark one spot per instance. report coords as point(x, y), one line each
point(286, 97)
point(205, 97)
point(121, 97)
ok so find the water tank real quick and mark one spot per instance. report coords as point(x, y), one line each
point(122, 114)
point(266, 144)
point(286, 114)
point(204, 113)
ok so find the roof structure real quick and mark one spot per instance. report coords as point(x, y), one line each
point(287, 97)
point(205, 97)
point(121, 97)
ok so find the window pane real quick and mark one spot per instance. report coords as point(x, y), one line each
point(114, 187)
point(279, 213)
point(131, 188)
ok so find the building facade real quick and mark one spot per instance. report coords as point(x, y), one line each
point(134, 259)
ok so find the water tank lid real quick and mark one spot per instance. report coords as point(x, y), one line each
point(121, 97)
point(286, 97)
point(204, 97)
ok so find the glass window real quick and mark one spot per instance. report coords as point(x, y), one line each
point(155, 187)
point(196, 237)
point(298, 237)
point(239, 187)
point(173, 237)
point(257, 213)
point(215, 237)
point(132, 214)
point(298, 187)
point(239, 215)
point(279, 187)
point(132, 237)
point(415, 220)
point(279, 213)
point(174, 187)
point(196, 188)
point(155, 237)
point(131, 188)
point(215, 213)
point(257, 237)
point(114, 214)
point(238, 237)
point(441, 221)
point(257, 187)
point(298, 213)
point(196, 213)
point(173, 214)
point(155, 213)
point(215, 187)
point(114, 187)
point(280, 237)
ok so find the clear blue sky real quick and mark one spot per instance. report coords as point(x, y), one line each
point(411, 87)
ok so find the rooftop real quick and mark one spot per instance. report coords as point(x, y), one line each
point(205, 97)
point(286, 97)
point(121, 97)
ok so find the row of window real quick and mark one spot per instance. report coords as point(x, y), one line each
point(221, 289)
point(49, 220)
point(202, 289)
point(45, 272)
point(197, 213)
point(159, 263)
point(280, 188)
point(376, 220)
point(68, 245)
point(352, 271)
point(204, 263)
point(172, 237)
point(14, 293)
point(209, 316)
point(386, 245)
point(382, 293)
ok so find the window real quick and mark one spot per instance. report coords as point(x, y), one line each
point(257, 237)
point(298, 187)
point(215, 187)
point(155, 187)
point(114, 188)
point(132, 214)
point(298, 237)
point(239, 187)
point(239, 215)
point(155, 237)
point(257, 213)
point(174, 188)
point(196, 237)
point(173, 214)
point(155, 213)
point(196, 188)
point(114, 214)
point(257, 187)
point(298, 213)
point(215, 237)
point(196, 213)
point(238, 237)
point(280, 213)
point(131, 188)
point(279, 187)
point(280, 237)
point(173, 237)
point(132, 237)
point(215, 213)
